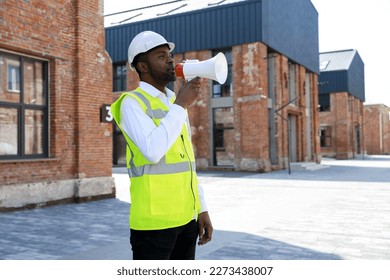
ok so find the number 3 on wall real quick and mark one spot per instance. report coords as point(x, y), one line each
point(106, 114)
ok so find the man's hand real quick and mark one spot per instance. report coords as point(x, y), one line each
point(205, 228)
point(188, 93)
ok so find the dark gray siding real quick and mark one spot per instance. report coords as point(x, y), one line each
point(333, 81)
point(356, 78)
point(291, 30)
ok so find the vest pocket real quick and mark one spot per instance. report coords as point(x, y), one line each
point(169, 195)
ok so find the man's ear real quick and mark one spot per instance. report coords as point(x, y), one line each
point(142, 67)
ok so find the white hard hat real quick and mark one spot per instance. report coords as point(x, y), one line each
point(144, 42)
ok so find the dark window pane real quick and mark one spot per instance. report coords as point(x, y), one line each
point(119, 78)
point(324, 100)
point(9, 78)
point(33, 82)
point(34, 132)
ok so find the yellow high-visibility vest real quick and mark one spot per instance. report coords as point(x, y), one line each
point(163, 194)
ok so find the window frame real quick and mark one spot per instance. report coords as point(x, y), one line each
point(24, 108)
point(324, 100)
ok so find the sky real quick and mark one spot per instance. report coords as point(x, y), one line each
point(362, 25)
point(343, 24)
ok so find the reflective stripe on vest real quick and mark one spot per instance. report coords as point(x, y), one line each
point(159, 168)
point(156, 114)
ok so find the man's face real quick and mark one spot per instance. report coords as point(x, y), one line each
point(160, 63)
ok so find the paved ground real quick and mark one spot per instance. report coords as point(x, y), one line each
point(340, 212)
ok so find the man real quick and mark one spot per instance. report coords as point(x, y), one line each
point(168, 211)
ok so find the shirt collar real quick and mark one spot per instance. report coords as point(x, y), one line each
point(152, 91)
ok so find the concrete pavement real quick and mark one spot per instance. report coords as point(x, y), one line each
point(341, 212)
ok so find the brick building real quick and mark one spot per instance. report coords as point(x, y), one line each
point(376, 129)
point(265, 115)
point(55, 76)
point(341, 97)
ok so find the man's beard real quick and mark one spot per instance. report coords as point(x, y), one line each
point(165, 77)
point(169, 77)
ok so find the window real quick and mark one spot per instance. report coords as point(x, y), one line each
point(324, 100)
point(171, 10)
point(324, 64)
point(326, 136)
point(23, 107)
point(13, 76)
point(225, 90)
point(119, 79)
point(216, 3)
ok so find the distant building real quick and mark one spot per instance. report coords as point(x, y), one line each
point(341, 97)
point(55, 77)
point(377, 129)
point(265, 115)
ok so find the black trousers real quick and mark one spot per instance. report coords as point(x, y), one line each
point(177, 243)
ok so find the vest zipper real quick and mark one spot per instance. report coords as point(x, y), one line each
point(190, 163)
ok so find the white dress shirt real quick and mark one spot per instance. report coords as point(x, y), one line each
point(154, 141)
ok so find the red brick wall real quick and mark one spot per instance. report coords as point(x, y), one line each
point(70, 35)
point(250, 108)
point(377, 129)
point(346, 113)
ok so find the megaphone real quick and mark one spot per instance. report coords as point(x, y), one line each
point(214, 68)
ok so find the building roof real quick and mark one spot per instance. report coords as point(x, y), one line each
point(342, 71)
point(336, 60)
point(167, 8)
